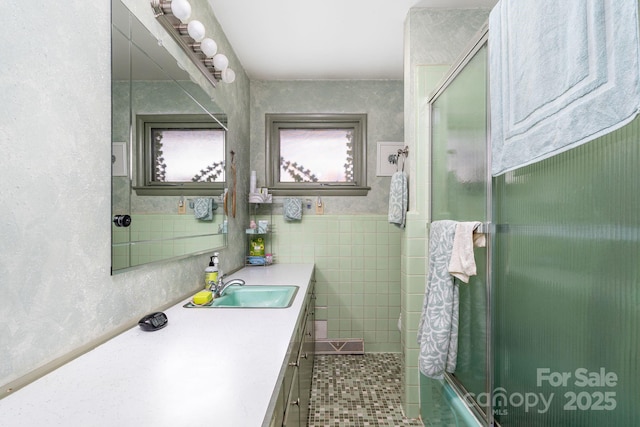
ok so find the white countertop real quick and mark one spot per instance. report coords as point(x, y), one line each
point(207, 367)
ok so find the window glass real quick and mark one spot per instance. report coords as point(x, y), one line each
point(188, 155)
point(316, 155)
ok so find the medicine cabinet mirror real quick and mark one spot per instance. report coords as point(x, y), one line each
point(159, 114)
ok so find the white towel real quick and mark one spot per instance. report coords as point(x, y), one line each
point(398, 199)
point(463, 263)
point(555, 86)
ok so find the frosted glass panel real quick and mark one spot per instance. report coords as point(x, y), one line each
point(459, 192)
point(187, 155)
point(567, 286)
point(316, 155)
point(459, 152)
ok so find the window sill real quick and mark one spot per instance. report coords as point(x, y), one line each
point(177, 191)
point(321, 191)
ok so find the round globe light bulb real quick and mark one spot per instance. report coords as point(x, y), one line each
point(196, 30)
point(220, 62)
point(228, 75)
point(181, 9)
point(209, 47)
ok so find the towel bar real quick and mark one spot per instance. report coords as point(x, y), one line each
point(482, 228)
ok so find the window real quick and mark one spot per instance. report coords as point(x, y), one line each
point(323, 154)
point(180, 154)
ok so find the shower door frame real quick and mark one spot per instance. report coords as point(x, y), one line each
point(477, 43)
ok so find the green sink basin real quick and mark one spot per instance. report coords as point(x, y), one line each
point(247, 296)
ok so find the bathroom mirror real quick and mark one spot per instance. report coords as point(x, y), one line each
point(175, 215)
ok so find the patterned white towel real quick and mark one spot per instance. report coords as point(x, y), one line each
point(438, 328)
point(203, 208)
point(398, 199)
point(292, 209)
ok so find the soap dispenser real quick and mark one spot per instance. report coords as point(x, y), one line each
point(211, 272)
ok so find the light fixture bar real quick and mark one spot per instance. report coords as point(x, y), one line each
point(160, 7)
point(162, 13)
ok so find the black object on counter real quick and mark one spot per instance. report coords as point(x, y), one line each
point(153, 322)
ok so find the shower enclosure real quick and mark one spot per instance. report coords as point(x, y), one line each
point(460, 191)
point(549, 330)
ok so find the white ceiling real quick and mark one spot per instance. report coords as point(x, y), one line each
point(329, 39)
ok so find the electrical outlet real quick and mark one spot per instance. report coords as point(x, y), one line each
point(319, 207)
point(182, 208)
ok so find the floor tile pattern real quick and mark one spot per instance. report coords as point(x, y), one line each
point(358, 391)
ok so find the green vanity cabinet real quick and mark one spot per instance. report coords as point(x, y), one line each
point(305, 360)
point(292, 407)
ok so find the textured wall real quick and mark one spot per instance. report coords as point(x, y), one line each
point(380, 99)
point(355, 250)
point(55, 132)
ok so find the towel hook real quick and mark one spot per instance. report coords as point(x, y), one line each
point(394, 159)
point(402, 152)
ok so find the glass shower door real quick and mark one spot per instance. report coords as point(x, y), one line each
point(563, 308)
point(567, 287)
point(459, 190)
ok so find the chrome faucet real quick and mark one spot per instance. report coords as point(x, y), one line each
point(219, 288)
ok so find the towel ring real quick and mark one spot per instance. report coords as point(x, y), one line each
point(402, 152)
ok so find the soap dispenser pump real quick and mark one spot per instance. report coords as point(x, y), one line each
point(211, 272)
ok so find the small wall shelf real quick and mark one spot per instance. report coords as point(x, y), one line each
point(258, 240)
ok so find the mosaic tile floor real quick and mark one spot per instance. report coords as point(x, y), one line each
point(357, 391)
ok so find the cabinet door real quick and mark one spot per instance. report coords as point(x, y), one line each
point(278, 413)
point(292, 411)
point(307, 351)
point(292, 365)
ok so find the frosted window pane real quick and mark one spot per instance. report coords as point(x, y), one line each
point(188, 155)
point(316, 155)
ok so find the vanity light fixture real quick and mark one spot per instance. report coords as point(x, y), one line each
point(181, 9)
point(209, 47)
point(196, 30)
point(190, 35)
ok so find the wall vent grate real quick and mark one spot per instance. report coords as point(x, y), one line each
point(340, 346)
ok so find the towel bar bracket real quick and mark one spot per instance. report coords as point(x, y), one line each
point(483, 228)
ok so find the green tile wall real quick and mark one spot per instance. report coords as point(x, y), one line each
point(414, 262)
point(153, 239)
point(357, 259)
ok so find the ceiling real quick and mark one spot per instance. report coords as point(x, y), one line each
point(329, 39)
